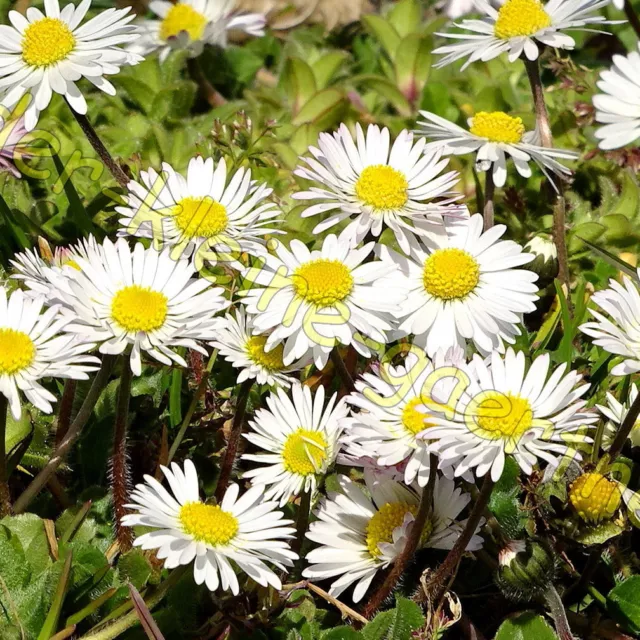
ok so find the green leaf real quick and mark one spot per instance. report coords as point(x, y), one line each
point(29, 529)
point(17, 430)
point(526, 626)
point(599, 534)
point(51, 622)
point(299, 82)
point(504, 502)
point(412, 65)
point(342, 633)
point(397, 624)
point(623, 602)
point(327, 66)
point(405, 17)
point(384, 32)
point(14, 569)
point(134, 567)
point(386, 90)
point(613, 260)
point(324, 110)
point(76, 209)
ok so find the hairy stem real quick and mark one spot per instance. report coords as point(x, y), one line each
point(544, 128)
point(342, 370)
point(214, 98)
point(61, 451)
point(120, 476)
point(234, 439)
point(625, 429)
point(397, 570)
point(559, 615)
point(66, 408)
point(5, 495)
point(93, 138)
point(440, 580)
point(489, 192)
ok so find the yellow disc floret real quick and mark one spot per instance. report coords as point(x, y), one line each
point(413, 419)
point(502, 416)
point(382, 187)
point(208, 523)
point(323, 282)
point(17, 351)
point(138, 308)
point(200, 217)
point(450, 274)
point(385, 520)
point(182, 17)
point(594, 497)
point(521, 18)
point(497, 126)
point(304, 452)
point(47, 41)
point(270, 360)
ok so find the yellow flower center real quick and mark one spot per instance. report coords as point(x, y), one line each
point(208, 523)
point(497, 126)
point(270, 360)
point(304, 452)
point(521, 18)
point(450, 274)
point(183, 17)
point(138, 308)
point(323, 282)
point(200, 217)
point(413, 419)
point(502, 416)
point(594, 497)
point(382, 187)
point(17, 351)
point(46, 42)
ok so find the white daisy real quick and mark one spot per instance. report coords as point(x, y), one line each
point(509, 411)
point(301, 437)
point(393, 423)
point(239, 533)
point(360, 535)
point(492, 137)
point(315, 300)
point(378, 184)
point(618, 106)
point(200, 215)
point(41, 54)
point(520, 27)
point(616, 413)
point(141, 299)
point(619, 334)
point(465, 285)
point(244, 349)
point(191, 24)
point(33, 346)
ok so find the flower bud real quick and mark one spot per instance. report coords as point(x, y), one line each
point(595, 497)
point(545, 263)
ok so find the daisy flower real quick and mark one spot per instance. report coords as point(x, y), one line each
point(465, 285)
point(245, 350)
point(301, 437)
point(620, 333)
point(239, 533)
point(141, 299)
point(33, 345)
point(508, 409)
point(375, 184)
point(492, 137)
point(618, 106)
point(314, 300)
point(14, 145)
point(191, 24)
point(394, 416)
point(200, 214)
point(520, 26)
point(361, 535)
point(616, 413)
point(45, 53)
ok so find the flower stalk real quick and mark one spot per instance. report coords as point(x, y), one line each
point(625, 429)
point(559, 615)
point(489, 193)
point(342, 370)
point(5, 495)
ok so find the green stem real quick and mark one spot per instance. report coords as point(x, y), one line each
point(61, 451)
point(66, 409)
point(5, 495)
point(489, 192)
point(625, 429)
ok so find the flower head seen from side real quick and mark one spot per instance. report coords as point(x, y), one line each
point(616, 412)
point(45, 53)
point(14, 144)
point(392, 422)
point(200, 214)
point(314, 300)
point(192, 24)
point(509, 410)
point(237, 342)
point(245, 532)
point(376, 184)
point(361, 535)
point(618, 106)
point(141, 300)
point(493, 137)
point(33, 346)
point(620, 332)
point(520, 27)
point(300, 437)
point(465, 285)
